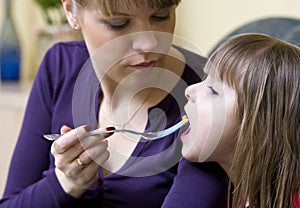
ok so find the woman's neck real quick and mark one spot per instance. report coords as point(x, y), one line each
point(139, 91)
point(122, 108)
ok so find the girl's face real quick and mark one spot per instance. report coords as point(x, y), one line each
point(211, 112)
point(131, 40)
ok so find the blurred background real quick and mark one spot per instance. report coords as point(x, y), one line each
point(200, 22)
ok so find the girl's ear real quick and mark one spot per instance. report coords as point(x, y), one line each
point(68, 8)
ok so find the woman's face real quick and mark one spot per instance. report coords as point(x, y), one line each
point(211, 112)
point(132, 40)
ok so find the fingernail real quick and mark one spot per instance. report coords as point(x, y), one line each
point(110, 128)
point(87, 128)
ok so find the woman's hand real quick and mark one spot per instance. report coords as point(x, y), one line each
point(78, 158)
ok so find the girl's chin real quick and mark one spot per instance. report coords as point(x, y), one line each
point(190, 156)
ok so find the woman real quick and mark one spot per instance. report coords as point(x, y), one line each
point(125, 74)
point(245, 116)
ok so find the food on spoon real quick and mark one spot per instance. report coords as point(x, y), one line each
point(185, 119)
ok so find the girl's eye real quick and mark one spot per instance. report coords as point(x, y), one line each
point(161, 16)
point(212, 90)
point(117, 25)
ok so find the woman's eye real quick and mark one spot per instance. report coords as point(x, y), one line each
point(161, 16)
point(212, 90)
point(117, 25)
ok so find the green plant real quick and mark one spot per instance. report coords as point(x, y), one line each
point(49, 7)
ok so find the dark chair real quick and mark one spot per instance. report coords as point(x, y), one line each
point(283, 28)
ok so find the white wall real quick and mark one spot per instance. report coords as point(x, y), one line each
point(204, 22)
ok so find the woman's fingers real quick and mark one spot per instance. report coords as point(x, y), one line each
point(78, 158)
point(75, 184)
point(69, 139)
point(64, 160)
point(67, 148)
point(64, 129)
point(96, 152)
point(81, 173)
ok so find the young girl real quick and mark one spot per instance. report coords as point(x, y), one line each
point(245, 115)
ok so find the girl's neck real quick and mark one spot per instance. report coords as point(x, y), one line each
point(225, 161)
point(227, 169)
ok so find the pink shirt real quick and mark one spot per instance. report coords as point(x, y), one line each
point(297, 201)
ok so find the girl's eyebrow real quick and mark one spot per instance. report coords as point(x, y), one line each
point(212, 90)
point(205, 85)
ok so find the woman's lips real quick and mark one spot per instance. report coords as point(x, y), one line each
point(145, 66)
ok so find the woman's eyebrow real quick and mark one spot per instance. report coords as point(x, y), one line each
point(121, 14)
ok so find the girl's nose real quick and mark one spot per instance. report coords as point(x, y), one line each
point(144, 41)
point(189, 92)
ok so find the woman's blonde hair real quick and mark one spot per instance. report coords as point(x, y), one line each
point(108, 6)
point(265, 72)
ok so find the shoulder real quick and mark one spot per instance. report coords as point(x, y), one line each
point(76, 49)
point(80, 44)
point(64, 58)
point(207, 169)
point(193, 59)
point(194, 65)
point(200, 184)
point(61, 66)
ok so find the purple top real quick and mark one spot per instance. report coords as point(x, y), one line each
point(65, 91)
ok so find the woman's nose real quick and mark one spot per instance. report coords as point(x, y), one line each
point(144, 41)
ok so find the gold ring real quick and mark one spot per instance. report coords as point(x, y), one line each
point(80, 163)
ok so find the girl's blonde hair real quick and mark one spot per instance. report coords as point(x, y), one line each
point(108, 7)
point(265, 73)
